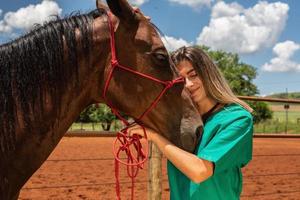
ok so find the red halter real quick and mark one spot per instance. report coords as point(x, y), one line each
point(134, 163)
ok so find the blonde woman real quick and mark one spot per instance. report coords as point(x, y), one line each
point(213, 172)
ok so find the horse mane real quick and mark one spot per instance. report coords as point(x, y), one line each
point(40, 61)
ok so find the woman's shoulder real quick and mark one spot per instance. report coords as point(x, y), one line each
point(232, 112)
point(236, 109)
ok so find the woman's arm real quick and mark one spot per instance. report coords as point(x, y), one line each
point(196, 169)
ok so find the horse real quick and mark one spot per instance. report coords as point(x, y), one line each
point(51, 74)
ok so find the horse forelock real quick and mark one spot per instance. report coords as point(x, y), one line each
point(35, 63)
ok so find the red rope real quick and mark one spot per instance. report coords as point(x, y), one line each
point(130, 145)
point(133, 163)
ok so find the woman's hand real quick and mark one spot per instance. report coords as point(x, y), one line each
point(194, 168)
point(138, 130)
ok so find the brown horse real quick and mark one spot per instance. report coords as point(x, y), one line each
point(48, 76)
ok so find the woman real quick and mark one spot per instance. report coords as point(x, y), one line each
point(214, 170)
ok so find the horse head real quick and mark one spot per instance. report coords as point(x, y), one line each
point(52, 73)
point(139, 46)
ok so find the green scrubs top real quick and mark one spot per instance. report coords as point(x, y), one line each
point(227, 142)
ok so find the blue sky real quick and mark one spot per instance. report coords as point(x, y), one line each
point(263, 33)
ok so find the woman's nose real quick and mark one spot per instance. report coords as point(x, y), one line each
point(188, 83)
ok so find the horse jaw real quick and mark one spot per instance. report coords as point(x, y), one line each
point(190, 121)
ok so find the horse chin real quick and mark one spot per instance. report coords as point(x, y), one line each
point(188, 136)
point(183, 133)
point(190, 121)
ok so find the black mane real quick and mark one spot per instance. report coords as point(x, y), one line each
point(35, 63)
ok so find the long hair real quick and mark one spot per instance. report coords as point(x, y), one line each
point(38, 64)
point(213, 81)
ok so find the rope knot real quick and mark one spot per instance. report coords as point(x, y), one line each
point(170, 84)
point(179, 80)
point(114, 63)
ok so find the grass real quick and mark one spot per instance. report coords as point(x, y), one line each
point(278, 123)
point(280, 116)
point(275, 125)
point(115, 126)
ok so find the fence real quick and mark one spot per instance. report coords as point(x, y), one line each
point(116, 125)
point(83, 171)
point(285, 121)
point(286, 115)
point(280, 125)
point(286, 118)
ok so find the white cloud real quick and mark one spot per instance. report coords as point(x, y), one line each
point(4, 28)
point(193, 3)
point(172, 43)
point(226, 10)
point(282, 61)
point(236, 29)
point(137, 2)
point(26, 17)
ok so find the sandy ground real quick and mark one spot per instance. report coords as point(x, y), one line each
point(83, 168)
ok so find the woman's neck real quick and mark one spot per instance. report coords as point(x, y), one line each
point(205, 105)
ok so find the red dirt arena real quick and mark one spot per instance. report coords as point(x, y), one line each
point(83, 168)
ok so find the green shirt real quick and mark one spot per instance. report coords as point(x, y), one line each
point(227, 142)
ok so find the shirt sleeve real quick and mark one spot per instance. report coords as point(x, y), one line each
point(232, 144)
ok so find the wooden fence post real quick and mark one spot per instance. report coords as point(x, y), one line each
point(154, 173)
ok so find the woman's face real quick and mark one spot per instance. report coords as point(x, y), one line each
point(192, 81)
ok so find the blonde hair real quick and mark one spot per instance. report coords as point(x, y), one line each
point(213, 80)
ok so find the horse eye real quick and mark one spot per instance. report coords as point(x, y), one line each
point(161, 57)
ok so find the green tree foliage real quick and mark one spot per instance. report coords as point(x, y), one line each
point(84, 116)
point(239, 75)
point(261, 111)
point(240, 78)
point(98, 113)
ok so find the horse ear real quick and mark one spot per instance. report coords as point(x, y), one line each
point(100, 4)
point(122, 9)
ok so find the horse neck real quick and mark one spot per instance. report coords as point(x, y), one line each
point(56, 115)
point(35, 142)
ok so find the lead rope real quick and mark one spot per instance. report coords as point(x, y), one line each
point(134, 162)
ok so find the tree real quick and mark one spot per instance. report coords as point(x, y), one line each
point(103, 114)
point(98, 113)
point(239, 75)
point(261, 111)
point(84, 116)
point(240, 78)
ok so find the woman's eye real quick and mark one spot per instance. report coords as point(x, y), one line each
point(193, 75)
